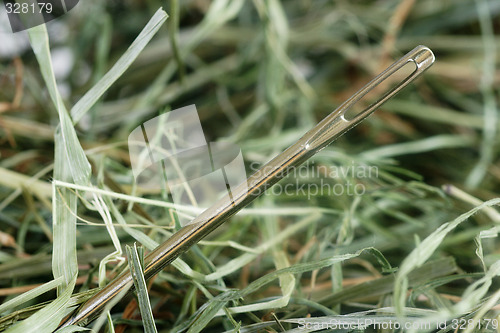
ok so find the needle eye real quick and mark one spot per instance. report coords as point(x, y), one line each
point(381, 90)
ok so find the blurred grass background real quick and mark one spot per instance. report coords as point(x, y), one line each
point(260, 73)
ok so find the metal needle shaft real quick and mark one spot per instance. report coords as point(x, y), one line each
point(329, 129)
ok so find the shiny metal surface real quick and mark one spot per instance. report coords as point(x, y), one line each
point(329, 129)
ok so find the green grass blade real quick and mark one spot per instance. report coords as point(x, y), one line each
point(137, 269)
point(174, 37)
point(67, 149)
point(385, 284)
point(419, 146)
point(64, 206)
point(29, 295)
point(47, 319)
point(434, 113)
point(423, 252)
point(245, 258)
point(89, 99)
point(79, 166)
point(490, 116)
point(212, 307)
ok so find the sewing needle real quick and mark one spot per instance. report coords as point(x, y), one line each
point(324, 133)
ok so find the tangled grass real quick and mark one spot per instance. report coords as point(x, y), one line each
point(417, 246)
